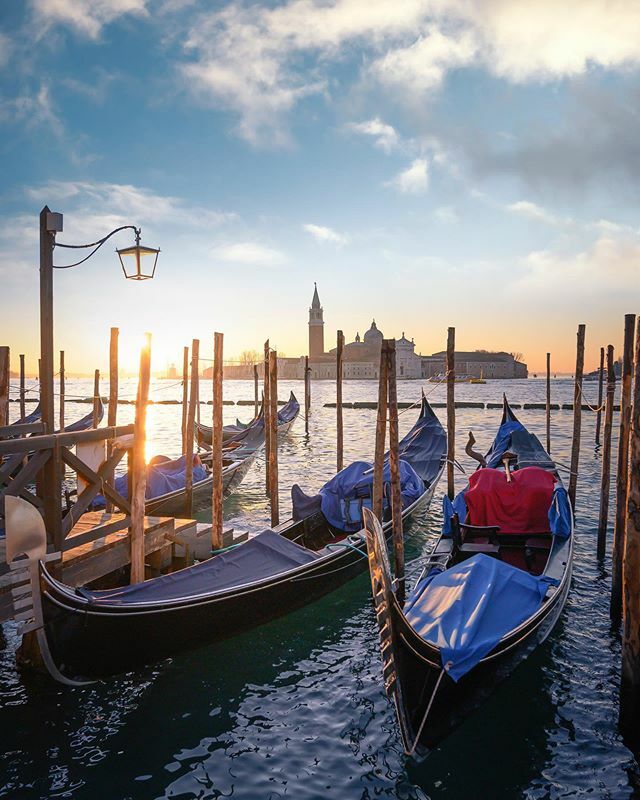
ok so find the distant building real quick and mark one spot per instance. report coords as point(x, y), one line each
point(172, 372)
point(361, 358)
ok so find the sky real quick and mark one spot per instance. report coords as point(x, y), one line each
point(427, 162)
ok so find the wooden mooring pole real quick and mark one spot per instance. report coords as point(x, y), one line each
point(191, 421)
point(622, 479)
point(600, 386)
point(630, 679)
point(339, 428)
point(61, 408)
point(577, 416)
point(256, 394)
point(605, 484)
point(23, 412)
point(548, 405)
point(394, 468)
point(451, 409)
point(96, 398)
point(216, 444)
point(273, 438)
point(185, 396)
point(4, 385)
point(381, 431)
point(307, 396)
point(112, 412)
point(139, 477)
point(266, 404)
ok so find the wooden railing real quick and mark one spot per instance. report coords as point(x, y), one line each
point(34, 468)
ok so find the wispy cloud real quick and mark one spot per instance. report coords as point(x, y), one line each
point(384, 136)
point(325, 234)
point(249, 253)
point(87, 17)
point(525, 208)
point(414, 179)
point(446, 215)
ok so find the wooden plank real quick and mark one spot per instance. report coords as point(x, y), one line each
point(62, 393)
point(216, 444)
point(77, 538)
point(623, 469)
point(185, 396)
point(451, 413)
point(139, 477)
point(112, 411)
point(26, 475)
point(394, 466)
point(22, 392)
point(600, 387)
point(256, 406)
point(630, 678)
point(67, 439)
point(266, 404)
point(96, 397)
point(273, 437)
point(339, 425)
point(21, 430)
point(381, 431)
point(191, 421)
point(4, 385)
point(577, 416)
point(605, 482)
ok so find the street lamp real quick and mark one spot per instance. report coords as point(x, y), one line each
point(131, 259)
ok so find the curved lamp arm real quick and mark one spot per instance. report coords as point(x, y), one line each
point(96, 245)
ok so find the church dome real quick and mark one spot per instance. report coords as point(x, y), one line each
point(373, 335)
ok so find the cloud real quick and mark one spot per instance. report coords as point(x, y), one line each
point(385, 136)
point(610, 264)
point(33, 109)
point(446, 214)
point(324, 234)
point(87, 17)
point(414, 179)
point(526, 208)
point(6, 49)
point(249, 253)
point(260, 61)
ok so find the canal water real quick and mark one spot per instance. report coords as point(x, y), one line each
point(295, 709)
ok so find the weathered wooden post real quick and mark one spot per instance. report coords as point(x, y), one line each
point(112, 413)
point(381, 432)
point(216, 444)
point(185, 396)
point(622, 479)
point(606, 455)
point(600, 387)
point(273, 438)
point(630, 683)
point(266, 404)
point(451, 409)
point(256, 397)
point(307, 397)
point(23, 411)
point(112, 417)
point(339, 429)
point(394, 468)
point(548, 406)
point(139, 477)
point(577, 416)
point(191, 421)
point(61, 409)
point(4, 385)
point(96, 398)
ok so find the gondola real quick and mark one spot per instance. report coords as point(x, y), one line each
point(239, 431)
point(490, 591)
point(273, 573)
point(30, 418)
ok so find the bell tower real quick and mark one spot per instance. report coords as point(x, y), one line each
point(316, 326)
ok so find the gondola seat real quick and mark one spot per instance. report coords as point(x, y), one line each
point(471, 539)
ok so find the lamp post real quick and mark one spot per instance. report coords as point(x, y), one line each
point(131, 260)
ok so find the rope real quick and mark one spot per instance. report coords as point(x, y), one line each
point(426, 714)
point(597, 410)
point(426, 394)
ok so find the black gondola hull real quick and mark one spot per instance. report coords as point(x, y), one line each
point(89, 641)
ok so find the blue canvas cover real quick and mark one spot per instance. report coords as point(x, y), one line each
point(262, 556)
point(425, 445)
point(467, 609)
point(560, 513)
point(164, 477)
point(343, 497)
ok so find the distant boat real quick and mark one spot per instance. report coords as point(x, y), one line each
point(478, 380)
point(441, 377)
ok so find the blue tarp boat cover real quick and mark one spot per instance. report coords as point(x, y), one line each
point(262, 556)
point(425, 445)
point(467, 609)
point(164, 477)
point(343, 497)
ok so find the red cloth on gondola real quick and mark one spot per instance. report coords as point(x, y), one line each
point(519, 506)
